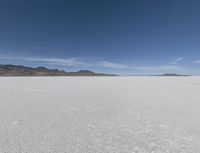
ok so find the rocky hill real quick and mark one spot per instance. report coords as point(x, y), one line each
point(18, 70)
point(172, 74)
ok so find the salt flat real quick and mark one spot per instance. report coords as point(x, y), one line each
point(99, 114)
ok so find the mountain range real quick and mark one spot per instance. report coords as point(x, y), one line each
point(19, 70)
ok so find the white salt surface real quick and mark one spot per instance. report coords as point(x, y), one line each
point(100, 115)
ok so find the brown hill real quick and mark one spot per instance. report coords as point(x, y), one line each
point(18, 70)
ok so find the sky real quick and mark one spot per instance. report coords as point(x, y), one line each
point(127, 37)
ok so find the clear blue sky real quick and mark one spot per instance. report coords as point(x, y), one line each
point(115, 36)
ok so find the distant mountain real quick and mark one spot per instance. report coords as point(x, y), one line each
point(18, 70)
point(172, 74)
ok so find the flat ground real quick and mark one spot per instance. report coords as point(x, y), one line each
point(100, 115)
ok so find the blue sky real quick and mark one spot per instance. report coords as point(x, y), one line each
point(115, 36)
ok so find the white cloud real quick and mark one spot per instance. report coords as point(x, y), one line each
point(108, 64)
point(58, 61)
point(73, 61)
point(198, 61)
point(177, 60)
point(9, 58)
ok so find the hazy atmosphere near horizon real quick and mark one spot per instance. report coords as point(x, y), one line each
point(113, 36)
